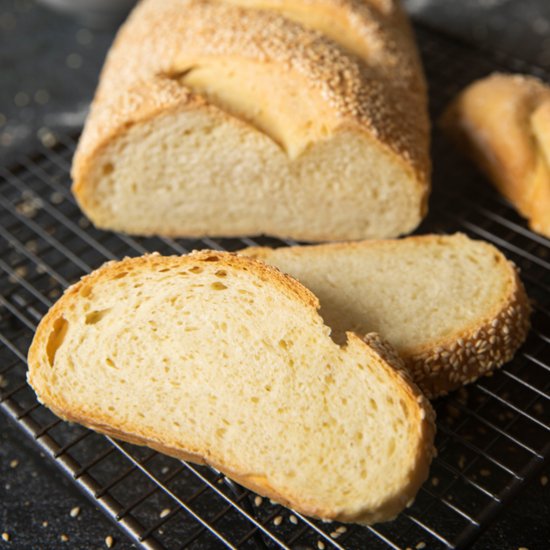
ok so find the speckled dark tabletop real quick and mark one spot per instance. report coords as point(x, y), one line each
point(49, 66)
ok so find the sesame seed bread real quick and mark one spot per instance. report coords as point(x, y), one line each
point(452, 307)
point(503, 123)
point(296, 119)
point(220, 359)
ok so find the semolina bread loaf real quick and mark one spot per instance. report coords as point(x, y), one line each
point(503, 123)
point(240, 117)
point(452, 307)
point(220, 359)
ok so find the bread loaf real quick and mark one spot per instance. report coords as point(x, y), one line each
point(453, 308)
point(503, 123)
point(296, 119)
point(220, 359)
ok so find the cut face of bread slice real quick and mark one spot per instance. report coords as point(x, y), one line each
point(453, 308)
point(220, 359)
point(218, 119)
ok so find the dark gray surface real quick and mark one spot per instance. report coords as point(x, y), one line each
point(48, 70)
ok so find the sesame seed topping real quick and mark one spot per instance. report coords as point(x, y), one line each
point(293, 519)
point(165, 512)
point(109, 541)
point(74, 512)
point(258, 500)
point(6, 537)
point(278, 520)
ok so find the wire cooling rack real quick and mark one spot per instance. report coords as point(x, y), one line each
point(492, 436)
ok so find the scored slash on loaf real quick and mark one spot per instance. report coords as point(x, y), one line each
point(454, 308)
point(296, 119)
point(221, 359)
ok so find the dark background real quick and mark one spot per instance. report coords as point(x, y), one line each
point(49, 65)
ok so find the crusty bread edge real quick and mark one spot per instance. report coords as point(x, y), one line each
point(385, 356)
point(478, 350)
point(452, 362)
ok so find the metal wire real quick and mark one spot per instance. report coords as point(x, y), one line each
point(45, 244)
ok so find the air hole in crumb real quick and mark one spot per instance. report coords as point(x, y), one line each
point(196, 269)
point(96, 316)
point(283, 344)
point(212, 258)
point(55, 339)
point(110, 363)
point(107, 168)
point(85, 291)
point(390, 400)
point(218, 286)
point(255, 399)
point(373, 404)
point(120, 275)
point(221, 273)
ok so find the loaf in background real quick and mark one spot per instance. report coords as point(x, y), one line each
point(295, 119)
point(503, 123)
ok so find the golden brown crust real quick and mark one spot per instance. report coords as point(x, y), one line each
point(478, 350)
point(163, 38)
point(442, 366)
point(503, 123)
point(379, 351)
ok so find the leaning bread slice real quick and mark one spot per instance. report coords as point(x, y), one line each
point(454, 308)
point(220, 359)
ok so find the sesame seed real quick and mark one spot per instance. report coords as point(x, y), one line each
point(435, 481)
point(164, 512)
point(6, 537)
point(41, 97)
point(84, 37)
point(293, 519)
point(321, 545)
point(258, 500)
point(44, 524)
point(420, 545)
point(485, 473)
point(74, 61)
point(74, 512)
point(109, 541)
point(341, 529)
point(21, 99)
point(64, 538)
point(278, 520)
point(544, 481)
point(14, 463)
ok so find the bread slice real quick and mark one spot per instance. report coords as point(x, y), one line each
point(503, 122)
point(452, 307)
point(220, 359)
point(242, 117)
